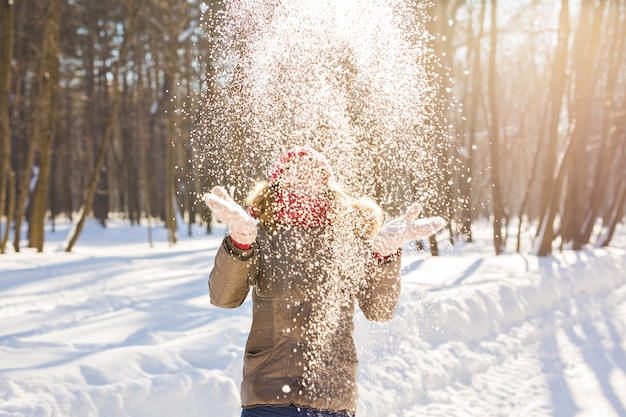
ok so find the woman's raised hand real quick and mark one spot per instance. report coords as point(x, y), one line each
point(242, 226)
point(405, 228)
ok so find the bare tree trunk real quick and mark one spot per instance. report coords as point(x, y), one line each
point(170, 186)
point(128, 176)
point(6, 48)
point(189, 194)
point(143, 139)
point(108, 133)
point(24, 188)
point(545, 236)
point(612, 130)
point(441, 181)
point(547, 209)
point(472, 118)
point(557, 86)
point(10, 203)
point(145, 192)
point(617, 211)
point(47, 108)
point(170, 139)
point(141, 107)
point(100, 206)
point(92, 114)
point(498, 208)
point(36, 119)
point(524, 203)
point(189, 197)
point(156, 157)
point(578, 192)
point(170, 193)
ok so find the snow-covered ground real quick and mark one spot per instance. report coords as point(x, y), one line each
point(121, 329)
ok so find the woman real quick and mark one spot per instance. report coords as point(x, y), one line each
point(308, 251)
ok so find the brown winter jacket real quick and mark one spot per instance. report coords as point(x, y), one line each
point(300, 349)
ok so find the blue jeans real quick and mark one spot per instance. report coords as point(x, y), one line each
point(289, 411)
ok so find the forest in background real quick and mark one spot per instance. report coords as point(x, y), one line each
point(99, 102)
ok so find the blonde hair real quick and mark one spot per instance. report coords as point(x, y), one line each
point(364, 214)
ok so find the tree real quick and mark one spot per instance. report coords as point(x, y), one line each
point(494, 133)
point(6, 51)
point(542, 115)
point(91, 190)
point(585, 55)
point(46, 113)
point(472, 96)
point(612, 130)
point(40, 95)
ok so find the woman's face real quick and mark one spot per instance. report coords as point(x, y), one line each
point(304, 176)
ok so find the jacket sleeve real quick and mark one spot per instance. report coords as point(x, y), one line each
point(379, 295)
point(232, 274)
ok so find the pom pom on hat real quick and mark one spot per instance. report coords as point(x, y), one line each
point(297, 153)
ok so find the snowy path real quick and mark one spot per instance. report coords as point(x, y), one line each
point(125, 330)
point(517, 337)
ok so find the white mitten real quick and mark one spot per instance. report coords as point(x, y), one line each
point(242, 226)
point(405, 228)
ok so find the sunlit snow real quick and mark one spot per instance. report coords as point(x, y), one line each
point(120, 329)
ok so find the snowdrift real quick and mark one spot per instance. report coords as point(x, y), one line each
point(465, 317)
point(122, 330)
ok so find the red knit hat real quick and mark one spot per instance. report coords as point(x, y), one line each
point(300, 152)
